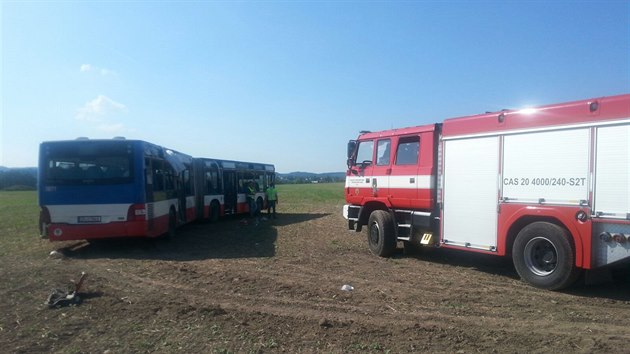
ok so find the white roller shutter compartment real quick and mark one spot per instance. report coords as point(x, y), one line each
point(471, 192)
point(548, 167)
point(612, 171)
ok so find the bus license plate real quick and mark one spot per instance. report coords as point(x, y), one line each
point(89, 219)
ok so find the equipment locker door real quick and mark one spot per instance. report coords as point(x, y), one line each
point(471, 168)
point(612, 172)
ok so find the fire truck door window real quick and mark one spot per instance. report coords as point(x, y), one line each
point(382, 152)
point(366, 149)
point(408, 151)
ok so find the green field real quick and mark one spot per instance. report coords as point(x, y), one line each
point(19, 216)
point(311, 193)
point(236, 286)
point(19, 212)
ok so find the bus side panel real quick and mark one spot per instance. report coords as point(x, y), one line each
point(241, 203)
point(159, 216)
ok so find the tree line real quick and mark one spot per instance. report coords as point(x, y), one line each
point(26, 178)
point(18, 179)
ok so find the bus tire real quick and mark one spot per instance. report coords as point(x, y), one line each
point(214, 211)
point(381, 237)
point(544, 256)
point(172, 225)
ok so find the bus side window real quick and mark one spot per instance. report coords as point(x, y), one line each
point(158, 176)
point(169, 178)
point(187, 183)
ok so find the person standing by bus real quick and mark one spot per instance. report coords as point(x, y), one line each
point(251, 198)
point(272, 199)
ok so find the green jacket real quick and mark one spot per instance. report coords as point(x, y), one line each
point(272, 194)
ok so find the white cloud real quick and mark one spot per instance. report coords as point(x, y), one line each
point(99, 108)
point(100, 114)
point(86, 68)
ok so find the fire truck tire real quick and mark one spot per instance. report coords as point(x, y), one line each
point(381, 237)
point(544, 257)
point(214, 211)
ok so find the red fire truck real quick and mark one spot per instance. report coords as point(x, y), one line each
point(548, 186)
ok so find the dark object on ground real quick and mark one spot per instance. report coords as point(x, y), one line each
point(60, 298)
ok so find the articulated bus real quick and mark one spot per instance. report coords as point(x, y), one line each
point(91, 189)
point(222, 186)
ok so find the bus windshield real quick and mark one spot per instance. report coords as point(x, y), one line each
point(88, 163)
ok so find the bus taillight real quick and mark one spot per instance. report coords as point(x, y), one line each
point(137, 212)
point(44, 221)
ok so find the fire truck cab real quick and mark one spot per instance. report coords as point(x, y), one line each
point(548, 186)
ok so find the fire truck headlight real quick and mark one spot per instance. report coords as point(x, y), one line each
point(619, 238)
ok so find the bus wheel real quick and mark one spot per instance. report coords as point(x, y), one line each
point(381, 238)
point(214, 211)
point(544, 257)
point(172, 224)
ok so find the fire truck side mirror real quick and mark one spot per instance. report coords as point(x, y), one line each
point(352, 145)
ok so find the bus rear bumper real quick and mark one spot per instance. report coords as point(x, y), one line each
point(68, 232)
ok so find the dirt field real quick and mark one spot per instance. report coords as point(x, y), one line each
point(229, 287)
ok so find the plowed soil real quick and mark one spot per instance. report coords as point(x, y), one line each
point(276, 287)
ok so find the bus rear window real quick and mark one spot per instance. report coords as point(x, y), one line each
point(88, 164)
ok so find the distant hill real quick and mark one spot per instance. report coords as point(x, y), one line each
point(18, 178)
point(309, 177)
point(26, 177)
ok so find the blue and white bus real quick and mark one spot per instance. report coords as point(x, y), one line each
point(90, 189)
point(222, 185)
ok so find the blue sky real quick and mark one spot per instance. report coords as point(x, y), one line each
point(287, 82)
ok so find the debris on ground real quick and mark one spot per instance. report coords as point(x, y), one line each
point(59, 298)
point(55, 254)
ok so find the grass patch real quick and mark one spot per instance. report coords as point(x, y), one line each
point(313, 193)
point(19, 216)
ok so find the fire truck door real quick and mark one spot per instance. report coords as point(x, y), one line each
point(359, 183)
point(471, 169)
point(405, 179)
point(382, 169)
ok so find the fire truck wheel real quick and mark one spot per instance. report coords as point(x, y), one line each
point(214, 211)
point(381, 238)
point(544, 257)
